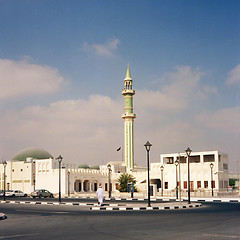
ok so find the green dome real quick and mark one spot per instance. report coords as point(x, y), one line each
point(32, 153)
point(95, 167)
point(83, 166)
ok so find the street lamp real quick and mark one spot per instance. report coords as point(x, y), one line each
point(34, 175)
point(211, 166)
point(4, 178)
point(162, 167)
point(68, 174)
point(179, 160)
point(176, 164)
point(59, 158)
point(148, 146)
point(109, 180)
point(188, 152)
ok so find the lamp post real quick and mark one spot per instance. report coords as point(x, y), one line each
point(109, 180)
point(4, 180)
point(148, 146)
point(68, 174)
point(34, 175)
point(176, 164)
point(162, 167)
point(188, 152)
point(59, 158)
point(211, 167)
point(180, 194)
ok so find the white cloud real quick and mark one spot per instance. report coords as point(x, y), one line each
point(210, 89)
point(90, 130)
point(106, 49)
point(226, 120)
point(234, 76)
point(81, 130)
point(23, 78)
point(179, 89)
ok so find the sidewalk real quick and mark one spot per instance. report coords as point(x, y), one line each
point(114, 206)
point(143, 206)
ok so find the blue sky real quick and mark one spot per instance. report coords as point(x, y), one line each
point(68, 59)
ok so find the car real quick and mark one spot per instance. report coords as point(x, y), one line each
point(15, 193)
point(41, 193)
point(1, 193)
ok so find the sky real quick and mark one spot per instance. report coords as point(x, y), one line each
point(62, 69)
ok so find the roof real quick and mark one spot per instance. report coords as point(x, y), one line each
point(35, 153)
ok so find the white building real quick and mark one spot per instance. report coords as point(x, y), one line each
point(33, 169)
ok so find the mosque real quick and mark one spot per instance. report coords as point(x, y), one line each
point(34, 168)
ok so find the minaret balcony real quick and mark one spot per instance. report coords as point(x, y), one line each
point(129, 115)
point(127, 91)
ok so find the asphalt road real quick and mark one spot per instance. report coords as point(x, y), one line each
point(213, 221)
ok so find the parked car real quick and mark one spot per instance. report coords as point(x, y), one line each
point(1, 193)
point(41, 193)
point(15, 193)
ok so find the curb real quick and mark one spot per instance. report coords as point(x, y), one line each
point(2, 216)
point(216, 200)
point(48, 203)
point(164, 199)
point(143, 208)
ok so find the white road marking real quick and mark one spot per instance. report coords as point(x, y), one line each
point(223, 236)
point(39, 211)
point(19, 235)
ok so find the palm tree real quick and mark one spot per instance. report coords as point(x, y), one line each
point(123, 181)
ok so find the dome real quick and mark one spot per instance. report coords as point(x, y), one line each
point(32, 153)
point(83, 166)
point(96, 167)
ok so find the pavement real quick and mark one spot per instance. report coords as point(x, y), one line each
point(116, 206)
point(129, 204)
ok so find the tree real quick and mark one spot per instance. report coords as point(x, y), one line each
point(232, 182)
point(123, 181)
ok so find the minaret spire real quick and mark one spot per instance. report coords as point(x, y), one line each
point(128, 117)
point(128, 75)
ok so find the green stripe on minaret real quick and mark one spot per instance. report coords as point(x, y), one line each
point(128, 117)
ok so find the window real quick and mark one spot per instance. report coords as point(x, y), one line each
point(191, 185)
point(185, 184)
point(166, 185)
point(205, 184)
point(168, 160)
point(198, 184)
point(225, 166)
point(213, 184)
point(194, 159)
point(208, 158)
point(182, 159)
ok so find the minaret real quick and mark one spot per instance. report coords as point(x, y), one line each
point(128, 117)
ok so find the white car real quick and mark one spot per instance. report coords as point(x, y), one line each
point(15, 193)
